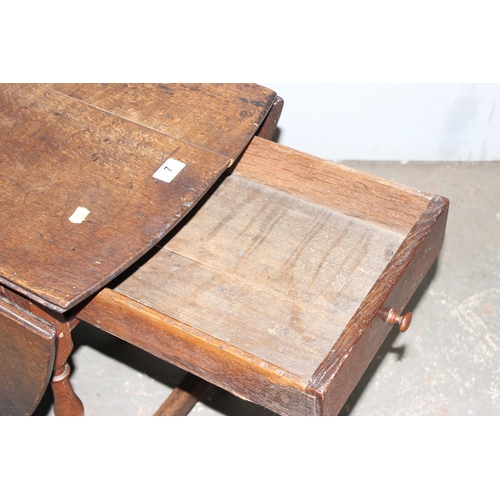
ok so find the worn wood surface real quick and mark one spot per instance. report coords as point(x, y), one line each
point(334, 186)
point(276, 288)
point(265, 272)
point(214, 360)
point(221, 118)
point(97, 146)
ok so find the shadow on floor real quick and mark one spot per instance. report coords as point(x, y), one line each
point(388, 345)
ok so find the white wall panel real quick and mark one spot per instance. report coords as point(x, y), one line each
point(429, 122)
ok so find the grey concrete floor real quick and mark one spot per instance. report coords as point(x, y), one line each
point(447, 363)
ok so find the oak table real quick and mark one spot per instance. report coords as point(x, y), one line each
point(279, 285)
point(80, 202)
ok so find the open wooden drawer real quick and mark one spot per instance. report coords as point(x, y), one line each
point(278, 286)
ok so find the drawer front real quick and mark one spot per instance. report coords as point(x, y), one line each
point(337, 376)
point(197, 352)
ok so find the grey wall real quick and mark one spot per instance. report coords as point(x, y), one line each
point(428, 122)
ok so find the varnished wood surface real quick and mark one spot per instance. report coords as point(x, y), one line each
point(97, 146)
point(277, 260)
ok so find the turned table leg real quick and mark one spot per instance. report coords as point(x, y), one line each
point(66, 402)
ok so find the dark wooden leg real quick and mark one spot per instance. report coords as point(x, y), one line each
point(66, 402)
point(183, 397)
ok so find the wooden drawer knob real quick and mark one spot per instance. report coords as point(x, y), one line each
point(394, 317)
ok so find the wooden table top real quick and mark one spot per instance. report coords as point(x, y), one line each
point(78, 200)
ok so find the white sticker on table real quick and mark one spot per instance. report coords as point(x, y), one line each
point(169, 170)
point(79, 215)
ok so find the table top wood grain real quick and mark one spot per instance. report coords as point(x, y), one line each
point(97, 146)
